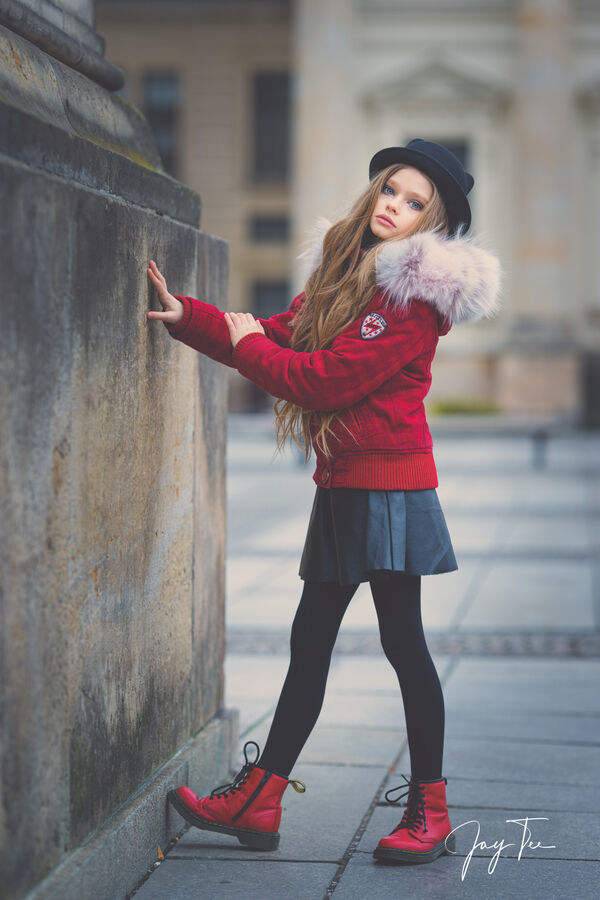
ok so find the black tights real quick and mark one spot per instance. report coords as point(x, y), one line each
point(397, 598)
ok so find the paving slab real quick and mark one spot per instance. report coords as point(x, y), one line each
point(264, 610)
point(564, 835)
point(567, 728)
point(533, 796)
point(473, 533)
point(362, 691)
point(535, 879)
point(525, 685)
point(471, 452)
point(443, 596)
point(549, 493)
point(286, 535)
point(504, 759)
point(370, 710)
point(480, 788)
point(343, 746)
point(269, 600)
point(182, 879)
point(369, 675)
point(247, 570)
point(550, 594)
point(575, 450)
point(255, 677)
point(485, 492)
point(558, 535)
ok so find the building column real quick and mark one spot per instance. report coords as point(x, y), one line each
point(325, 141)
point(539, 366)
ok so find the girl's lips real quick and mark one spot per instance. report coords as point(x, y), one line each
point(385, 221)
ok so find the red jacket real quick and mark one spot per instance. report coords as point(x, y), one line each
point(377, 370)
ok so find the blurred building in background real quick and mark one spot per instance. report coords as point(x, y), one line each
point(271, 110)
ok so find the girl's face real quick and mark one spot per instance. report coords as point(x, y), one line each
point(400, 205)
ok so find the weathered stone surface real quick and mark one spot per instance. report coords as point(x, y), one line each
point(74, 17)
point(40, 146)
point(112, 862)
point(57, 94)
point(112, 478)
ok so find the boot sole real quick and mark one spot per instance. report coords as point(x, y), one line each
point(257, 840)
point(416, 856)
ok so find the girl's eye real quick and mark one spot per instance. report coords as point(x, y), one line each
point(419, 205)
point(388, 188)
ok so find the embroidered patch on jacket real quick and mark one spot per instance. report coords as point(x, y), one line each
point(372, 325)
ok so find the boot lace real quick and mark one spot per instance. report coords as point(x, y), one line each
point(242, 776)
point(414, 815)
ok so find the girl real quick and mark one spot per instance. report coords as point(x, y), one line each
point(350, 364)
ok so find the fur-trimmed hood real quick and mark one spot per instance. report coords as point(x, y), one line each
point(460, 279)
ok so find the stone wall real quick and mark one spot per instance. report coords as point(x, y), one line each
point(112, 480)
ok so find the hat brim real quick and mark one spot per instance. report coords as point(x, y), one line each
point(455, 201)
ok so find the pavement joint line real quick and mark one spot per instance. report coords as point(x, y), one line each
point(358, 834)
point(170, 846)
point(256, 859)
point(510, 858)
point(522, 740)
point(469, 595)
point(364, 823)
point(488, 807)
point(258, 722)
point(528, 781)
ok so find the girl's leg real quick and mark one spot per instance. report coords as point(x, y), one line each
point(314, 631)
point(397, 599)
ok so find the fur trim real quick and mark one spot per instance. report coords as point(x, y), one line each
point(460, 279)
point(311, 256)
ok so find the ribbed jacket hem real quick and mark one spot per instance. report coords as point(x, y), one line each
point(380, 471)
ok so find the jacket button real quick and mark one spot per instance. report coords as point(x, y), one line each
point(325, 475)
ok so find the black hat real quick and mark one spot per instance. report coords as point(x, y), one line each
point(442, 167)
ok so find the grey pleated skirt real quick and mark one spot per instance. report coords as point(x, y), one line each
point(353, 532)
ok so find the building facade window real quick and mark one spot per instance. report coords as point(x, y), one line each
point(269, 229)
point(270, 298)
point(160, 104)
point(460, 149)
point(271, 126)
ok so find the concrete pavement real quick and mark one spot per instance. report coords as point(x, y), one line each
point(515, 638)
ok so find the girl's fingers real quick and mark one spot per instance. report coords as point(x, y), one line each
point(167, 317)
point(156, 273)
point(155, 278)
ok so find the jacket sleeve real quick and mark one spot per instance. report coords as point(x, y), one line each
point(203, 328)
point(349, 370)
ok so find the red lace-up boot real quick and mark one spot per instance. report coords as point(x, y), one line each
point(424, 832)
point(249, 808)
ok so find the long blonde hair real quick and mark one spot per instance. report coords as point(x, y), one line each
point(337, 292)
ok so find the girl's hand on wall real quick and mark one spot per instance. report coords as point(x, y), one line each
point(173, 308)
point(240, 324)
